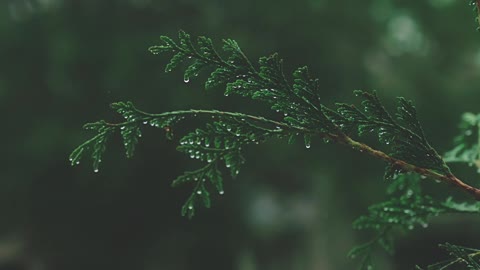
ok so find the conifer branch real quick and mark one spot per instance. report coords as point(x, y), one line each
point(220, 143)
point(304, 115)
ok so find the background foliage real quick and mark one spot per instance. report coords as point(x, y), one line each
point(291, 208)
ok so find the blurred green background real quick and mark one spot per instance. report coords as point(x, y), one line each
point(64, 61)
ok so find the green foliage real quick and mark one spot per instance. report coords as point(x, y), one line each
point(462, 258)
point(405, 135)
point(467, 147)
point(219, 145)
point(406, 208)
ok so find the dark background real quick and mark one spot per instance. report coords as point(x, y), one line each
point(62, 62)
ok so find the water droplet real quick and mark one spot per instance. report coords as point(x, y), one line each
point(195, 179)
point(221, 192)
point(145, 122)
point(190, 207)
point(186, 80)
point(307, 146)
point(96, 170)
point(468, 132)
point(228, 165)
point(122, 128)
point(78, 162)
point(199, 192)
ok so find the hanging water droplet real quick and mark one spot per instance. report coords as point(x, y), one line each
point(122, 128)
point(96, 170)
point(221, 192)
point(199, 192)
point(195, 179)
point(468, 132)
point(190, 207)
point(78, 162)
point(186, 79)
point(307, 146)
point(145, 122)
point(228, 165)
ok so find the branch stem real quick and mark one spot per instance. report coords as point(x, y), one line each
point(342, 139)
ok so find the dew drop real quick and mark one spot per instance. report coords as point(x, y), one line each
point(307, 146)
point(195, 179)
point(186, 80)
point(96, 170)
point(190, 207)
point(145, 122)
point(122, 128)
point(78, 162)
point(221, 192)
point(199, 192)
